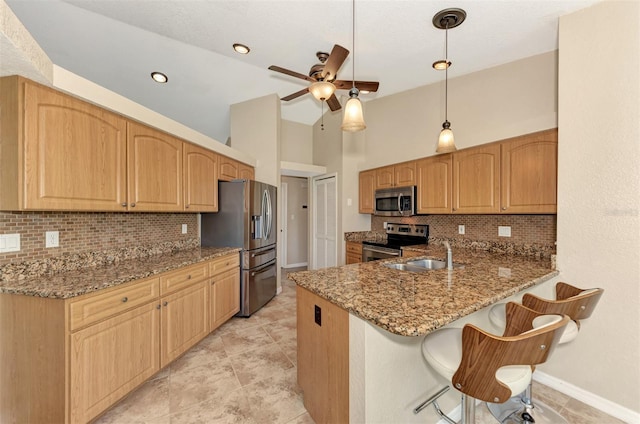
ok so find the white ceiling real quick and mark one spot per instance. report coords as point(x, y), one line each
point(118, 43)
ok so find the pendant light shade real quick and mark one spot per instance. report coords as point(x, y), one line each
point(353, 117)
point(445, 140)
point(322, 90)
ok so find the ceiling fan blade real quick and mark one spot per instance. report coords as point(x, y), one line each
point(334, 103)
point(336, 59)
point(291, 73)
point(371, 86)
point(295, 95)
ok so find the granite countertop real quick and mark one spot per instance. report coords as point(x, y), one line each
point(415, 304)
point(86, 280)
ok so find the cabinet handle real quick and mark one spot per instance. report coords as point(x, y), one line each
point(124, 204)
point(189, 277)
point(124, 299)
point(133, 205)
point(454, 209)
point(158, 307)
point(165, 303)
point(186, 206)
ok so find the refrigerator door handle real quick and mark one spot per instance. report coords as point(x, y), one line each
point(265, 212)
point(268, 215)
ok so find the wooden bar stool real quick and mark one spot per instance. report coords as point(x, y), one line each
point(574, 302)
point(488, 367)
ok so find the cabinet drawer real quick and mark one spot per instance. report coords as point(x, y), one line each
point(353, 247)
point(101, 305)
point(175, 280)
point(224, 263)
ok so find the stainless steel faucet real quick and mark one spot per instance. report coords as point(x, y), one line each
point(449, 255)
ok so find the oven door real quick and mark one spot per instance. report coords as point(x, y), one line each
point(373, 253)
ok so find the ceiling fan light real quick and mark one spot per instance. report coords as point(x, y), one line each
point(322, 90)
point(353, 117)
point(445, 140)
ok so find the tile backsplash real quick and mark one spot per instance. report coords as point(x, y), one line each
point(537, 230)
point(82, 232)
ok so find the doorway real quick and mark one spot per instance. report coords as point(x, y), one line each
point(325, 222)
point(294, 221)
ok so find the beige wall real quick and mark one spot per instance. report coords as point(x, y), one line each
point(296, 142)
point(599, 196)
point(508, 100)
point(297, 220)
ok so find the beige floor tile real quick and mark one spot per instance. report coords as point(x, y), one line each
point(232, 408)
point(258, 364)
point(549, 397)
point(150, 401)
point(192, 385)
point(237, 323)
point(302, 419)
point(244, 340)
point(276, 399)
point(207, 352)
point(578, 412)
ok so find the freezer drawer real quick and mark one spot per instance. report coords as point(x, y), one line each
point(258, 257)
point(257, 287)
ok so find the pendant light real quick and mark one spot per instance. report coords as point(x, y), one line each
point(446, 19)
point(353, 117)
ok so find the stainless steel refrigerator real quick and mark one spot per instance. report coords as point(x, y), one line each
point(246, 218)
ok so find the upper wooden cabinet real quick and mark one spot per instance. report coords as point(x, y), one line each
point(529, 170)
point(476, 180)
point(231, 169)
point(367, 191)
point(434, 184)
point(399, 175)
point(59, 153)
point(200, 179)
point(155, 169)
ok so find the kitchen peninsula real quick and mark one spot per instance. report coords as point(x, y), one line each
point(360, 327)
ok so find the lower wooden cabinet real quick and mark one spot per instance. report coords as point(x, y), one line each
point(323, 357)
point(353, 252)
point(410, 253)
point(68, 360)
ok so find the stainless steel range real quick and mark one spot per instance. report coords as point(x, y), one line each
point(398, 235)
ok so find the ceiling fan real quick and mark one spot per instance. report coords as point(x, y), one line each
point(326, 71)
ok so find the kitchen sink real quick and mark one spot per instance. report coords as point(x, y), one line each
point(406, 267)
point(422, 265)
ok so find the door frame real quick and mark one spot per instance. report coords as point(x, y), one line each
point(284, 193)
point(312, 238)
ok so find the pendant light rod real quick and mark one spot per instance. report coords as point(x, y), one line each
point(353, 43)
point(446, 71)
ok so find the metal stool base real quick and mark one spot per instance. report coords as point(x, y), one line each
point(515, 410)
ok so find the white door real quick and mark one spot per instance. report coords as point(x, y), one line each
point(283, 223)
point(325, 219)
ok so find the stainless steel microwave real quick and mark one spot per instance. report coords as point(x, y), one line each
point(397, 201)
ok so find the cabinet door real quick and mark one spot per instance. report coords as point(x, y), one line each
point(323, 357)
point(529, 173)
point(353, 252)
point(225, 297)
point(404, 174)
point(109, 359)
point(434, 184)
point(246, 172)
point(367, 191)
point(155, 170)
point(385, 177)
point(229, 169)
point(476, 180)
point(185, 320)
point(200, 179)
point(74, 154)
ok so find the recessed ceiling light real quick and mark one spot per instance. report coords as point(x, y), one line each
point(441, 65)
point(159, 77)
point(241, 48)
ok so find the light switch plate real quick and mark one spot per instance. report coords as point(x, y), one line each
point(184, 228)
point(504, 231)
point(460, 229)
point(9, 243)
point(52, 239)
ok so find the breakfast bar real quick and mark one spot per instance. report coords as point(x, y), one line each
point(378, 317)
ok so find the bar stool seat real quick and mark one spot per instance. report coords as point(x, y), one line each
point(488, 367)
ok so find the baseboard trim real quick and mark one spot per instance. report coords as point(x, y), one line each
point(591, 399)
point(295, 265)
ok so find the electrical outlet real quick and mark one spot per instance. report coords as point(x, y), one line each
point(460, 229)
point(504, 231)
point(384, 225)
point(52, 239)
point(504, 272)
point(184, 228)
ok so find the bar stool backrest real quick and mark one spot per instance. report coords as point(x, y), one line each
point(577, 303)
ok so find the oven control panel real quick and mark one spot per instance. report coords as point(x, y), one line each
point(408, 229)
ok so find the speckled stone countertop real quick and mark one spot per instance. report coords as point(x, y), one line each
point(86, 280)
point(415, 304)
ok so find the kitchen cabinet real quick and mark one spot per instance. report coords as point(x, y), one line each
point(231, 169)
point(200, 179)
point(353, 252)
point(529, 169)
point(398, 175)
point(434, 184)
point(154, 170)
point(367, 191)
point(58, 152)
point(224, 290)
point(476, 180)
point(323, 357)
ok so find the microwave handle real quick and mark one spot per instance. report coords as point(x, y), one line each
point(400, 204)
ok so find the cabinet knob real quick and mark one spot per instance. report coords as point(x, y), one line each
point(454, 209)
point(504, 208)
point(124, 299)
point(133, 205)
point(124, 204)
point(189, 277)
point(186, 206)
point(165, 303)
point(158, 307)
